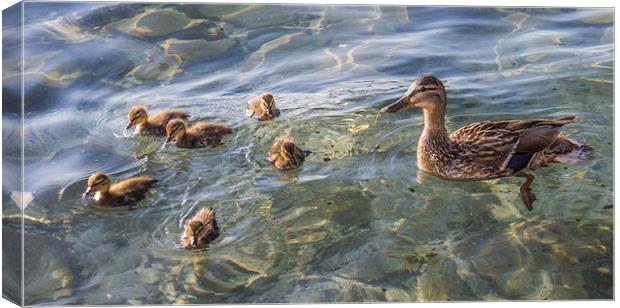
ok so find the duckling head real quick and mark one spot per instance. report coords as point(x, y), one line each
point(175, 129)
point(267, 103)
point(427, 92)
point(194, 231)
point(198, 233)
point(98, 182)
point(137, 115)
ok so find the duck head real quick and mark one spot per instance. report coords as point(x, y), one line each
point(137, 115)
point(193, 231)
point(267, 103)
point(174, 130)
point(197, 234)
point(427, 92)
point(97, 182)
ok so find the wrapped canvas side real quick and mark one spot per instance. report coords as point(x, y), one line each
point(12, 158)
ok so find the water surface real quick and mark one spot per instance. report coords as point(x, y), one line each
point(357, 222)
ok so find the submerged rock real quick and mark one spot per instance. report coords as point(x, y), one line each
point(100, 16)
point(165, 69)
point(49, 269)
point(195, 50)
point(159, 24)
point(211, 11)
point(257, 16)
point(536, 260)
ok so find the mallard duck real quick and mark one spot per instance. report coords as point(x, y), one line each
point(284, 154)
point(198, 135)
point(200, 230)
point(262, 107)
point(154, 125)
point(489, 149)
point(124, 192)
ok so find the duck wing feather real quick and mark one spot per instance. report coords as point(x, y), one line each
point(496, 143)
point(163, 118)
point(132, 188)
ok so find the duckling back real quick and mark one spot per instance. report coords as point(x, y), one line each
point(204, 134)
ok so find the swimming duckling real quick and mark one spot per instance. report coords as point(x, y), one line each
point(124, 192)
point(262, 107)
point(284, 154)
point(489, 149)
point(198, 135)
point(155, 125)
point(200, 230)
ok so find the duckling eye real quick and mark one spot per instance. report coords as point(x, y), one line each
point(422, 89)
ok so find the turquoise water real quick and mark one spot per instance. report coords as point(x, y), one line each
point(357, 222)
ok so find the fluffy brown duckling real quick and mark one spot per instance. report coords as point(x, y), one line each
point(200, 230)
point(284, 154)
point(198, 135)
point(123, 192)
point(262, 107)
point(153, 125)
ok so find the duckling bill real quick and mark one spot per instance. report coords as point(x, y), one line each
point(124, 192)
point(263, 107)
point(200, 230)
point(284, 154)
point(153, 125)
point(198, 135)
point(489, 149)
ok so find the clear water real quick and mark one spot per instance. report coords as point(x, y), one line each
point(357, 222)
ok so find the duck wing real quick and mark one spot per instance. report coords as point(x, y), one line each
point(132, 189)
point(208, 133)
point(163, 118)
point(507, 144)
point(253, 109)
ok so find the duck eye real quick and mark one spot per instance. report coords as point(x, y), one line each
point(422, 89)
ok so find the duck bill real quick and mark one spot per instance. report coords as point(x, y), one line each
point(87, 192)
point(270, 111)
point(129, 125)
point(399, 105)
point(169, 139)
point(193, 241)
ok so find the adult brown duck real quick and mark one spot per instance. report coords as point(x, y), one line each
point(489, 149)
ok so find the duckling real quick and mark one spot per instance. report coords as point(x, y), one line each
point(262, 107)
point(154, 125)
point(124, 192)
point(200, 230)
point(198, 135)
point(284, 154)
point(489, 149)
